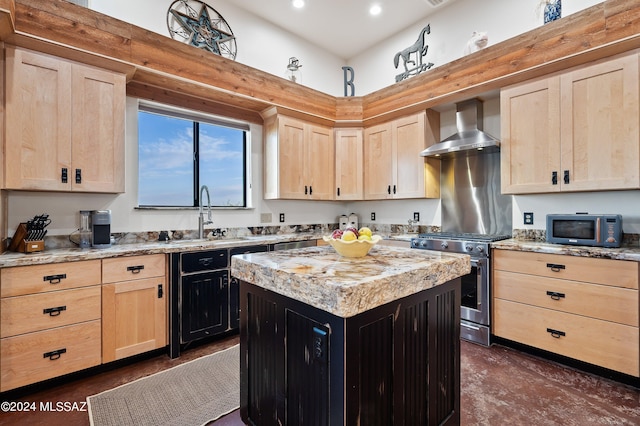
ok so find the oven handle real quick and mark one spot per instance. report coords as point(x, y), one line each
point(469, 326)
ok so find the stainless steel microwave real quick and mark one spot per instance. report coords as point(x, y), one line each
point(598, 230)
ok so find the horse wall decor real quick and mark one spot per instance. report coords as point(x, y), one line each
point(413, 55)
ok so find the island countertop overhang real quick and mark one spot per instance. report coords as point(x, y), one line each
point(344, 286)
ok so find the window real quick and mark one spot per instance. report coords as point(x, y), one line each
point(179, 152)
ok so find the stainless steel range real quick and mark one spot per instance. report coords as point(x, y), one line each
point(474, 212)
point(475, 309)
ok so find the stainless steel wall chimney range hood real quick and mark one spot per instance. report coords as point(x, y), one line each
point(469, 137)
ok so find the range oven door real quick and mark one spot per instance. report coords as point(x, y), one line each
point(475, 293)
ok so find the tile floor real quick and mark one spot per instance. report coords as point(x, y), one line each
point(500, 386)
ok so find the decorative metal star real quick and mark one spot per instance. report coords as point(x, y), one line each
point(204, 33)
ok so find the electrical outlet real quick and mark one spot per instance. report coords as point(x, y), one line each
point(373, 216)
point(265, 217)
point(416, 216)
point(281, 217)
point(528, 218)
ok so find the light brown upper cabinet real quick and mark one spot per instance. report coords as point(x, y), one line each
point(393, 167)
point(349, 163)
point(65, 125)
point(299, 161)
point(573, 131)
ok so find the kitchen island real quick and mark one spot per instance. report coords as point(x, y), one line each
point(328, 340)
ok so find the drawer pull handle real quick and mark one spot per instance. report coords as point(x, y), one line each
point(555, 295)
point(54, 312)
point(206, 261)
point(135, 269)
point(54, 279)
point(556, 333)
point(53, 355)
point(555, 267)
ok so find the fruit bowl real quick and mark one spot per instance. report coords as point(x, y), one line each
point(355, 248)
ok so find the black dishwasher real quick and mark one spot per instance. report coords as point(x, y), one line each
point(199, 296)
point(204, 301)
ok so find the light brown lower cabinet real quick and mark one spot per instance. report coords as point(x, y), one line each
point(134, 312)
point(133, 318)
point(56, 319)
point(33, 357)
point(582, 308)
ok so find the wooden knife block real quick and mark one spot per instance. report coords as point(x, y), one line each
point(21, 245)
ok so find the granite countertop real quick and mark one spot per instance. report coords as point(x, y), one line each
point(11, 259)
point(344, 286)
point(631, 253)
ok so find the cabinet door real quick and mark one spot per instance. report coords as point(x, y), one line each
point(320, 163)
point(600, 119)
point(409, 167)
point(205, 304)
point(134, 317)
point(98, 130)
point(291, 158)
point(530, 150)
point(378, 170)
point(38, 121)
point(349, 163)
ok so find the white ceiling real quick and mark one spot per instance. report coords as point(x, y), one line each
point(343, 27)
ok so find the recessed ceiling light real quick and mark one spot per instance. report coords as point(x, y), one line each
point(375, 9)
point(298, 3)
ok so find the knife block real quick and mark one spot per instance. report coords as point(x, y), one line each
point(20, 244)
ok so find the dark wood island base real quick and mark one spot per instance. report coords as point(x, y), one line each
point(396, 364)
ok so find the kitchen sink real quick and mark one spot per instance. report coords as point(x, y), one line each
point(207, 241)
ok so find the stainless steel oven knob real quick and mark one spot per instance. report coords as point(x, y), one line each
point(480, 249)
point(444, 244)
point(468, 247)
point(423, 244)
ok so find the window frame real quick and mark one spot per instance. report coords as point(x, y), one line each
point(197, 117)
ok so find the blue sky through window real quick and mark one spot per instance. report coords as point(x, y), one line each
point(166, 165)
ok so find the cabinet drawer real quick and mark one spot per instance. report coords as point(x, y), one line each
point(35, 312)
point(603, 343)
point(591, 300)
point(56, 276)
point(30, 358)
point(616, 273)
point(133, 268)
point(204, 260)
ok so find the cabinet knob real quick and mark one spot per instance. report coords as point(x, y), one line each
point(135, 269)
point(555, 267)
point(54, 312)
point(54, 279)
point(555, 295)
point(556, 333)
point(53, 355)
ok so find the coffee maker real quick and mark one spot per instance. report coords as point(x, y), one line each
point(101, 228)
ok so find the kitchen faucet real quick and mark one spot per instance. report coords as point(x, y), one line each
point(201, 221)
point(412, 223)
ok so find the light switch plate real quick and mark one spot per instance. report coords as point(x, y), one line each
point(281, 217)
point(373, 216)
point(416, 216)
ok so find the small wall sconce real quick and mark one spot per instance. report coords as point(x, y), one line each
point(293, 70)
